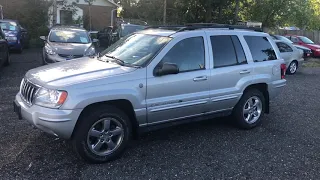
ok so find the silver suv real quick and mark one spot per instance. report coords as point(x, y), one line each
point(150, 79)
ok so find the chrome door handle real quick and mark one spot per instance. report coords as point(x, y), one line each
point(245, 72)
point(200, 78)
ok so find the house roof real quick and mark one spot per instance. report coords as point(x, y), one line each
point(111, 1)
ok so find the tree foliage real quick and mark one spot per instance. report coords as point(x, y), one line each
point(272, 13)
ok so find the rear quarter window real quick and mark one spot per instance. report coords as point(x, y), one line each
point(260, 48)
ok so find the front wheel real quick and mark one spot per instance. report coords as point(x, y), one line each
point(102, 135)
point(8, 60)
point(250, 109)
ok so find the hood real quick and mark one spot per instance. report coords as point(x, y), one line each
point(313, 46)
point(69, 48)
point(75, 71)
point(10, 33)
point(301, 47)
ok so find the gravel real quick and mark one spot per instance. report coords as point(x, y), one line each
point(285, 146)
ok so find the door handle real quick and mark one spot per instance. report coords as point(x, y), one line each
point(200, 78)
point(245, 72)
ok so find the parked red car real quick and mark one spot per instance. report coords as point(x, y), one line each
point(306, 42)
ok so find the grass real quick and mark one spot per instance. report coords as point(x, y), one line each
point(312, 62)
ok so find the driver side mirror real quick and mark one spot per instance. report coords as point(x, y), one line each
point(44, 38)
point(166, 69)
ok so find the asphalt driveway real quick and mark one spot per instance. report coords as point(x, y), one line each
point(286, 146)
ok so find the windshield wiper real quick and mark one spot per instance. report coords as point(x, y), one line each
point(121, 62)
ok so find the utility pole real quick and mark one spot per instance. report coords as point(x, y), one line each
point(165, 12)
point(54, 16)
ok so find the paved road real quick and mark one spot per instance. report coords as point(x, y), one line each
point(286, 146)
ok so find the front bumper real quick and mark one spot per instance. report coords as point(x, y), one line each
point(14, 44)
point(57, 122)
point(316, 53)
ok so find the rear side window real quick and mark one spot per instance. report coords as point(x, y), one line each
point(260, 48)
point(283, 47)
point(227, 51)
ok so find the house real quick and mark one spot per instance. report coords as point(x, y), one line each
point(72, 12)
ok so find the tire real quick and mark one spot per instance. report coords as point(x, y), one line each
point(20, 50)
point(83, 143)
point(293, 67)
point(7, 63)
point(241, 117)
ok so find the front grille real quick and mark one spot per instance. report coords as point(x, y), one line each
point(70, 56)
point(28, 91)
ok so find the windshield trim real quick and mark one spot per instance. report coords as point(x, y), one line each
point(89, 39)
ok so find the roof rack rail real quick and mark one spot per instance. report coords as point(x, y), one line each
point(195, 26)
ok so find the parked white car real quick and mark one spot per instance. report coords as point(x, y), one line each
point(292, 56)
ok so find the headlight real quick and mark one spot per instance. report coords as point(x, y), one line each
point(49, 50)
point(50, 98)
point(11, 38)
point(90, 51)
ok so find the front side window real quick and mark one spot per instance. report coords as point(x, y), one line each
point(69, 36)
point(137, 49)
point(188, 54)
point(260, 48)
point(227, 51)
point(284, 47)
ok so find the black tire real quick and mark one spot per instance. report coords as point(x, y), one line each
point(291, 64)
point(7, 62)
point(87, 120)
point(20, 50)
point(238, 112)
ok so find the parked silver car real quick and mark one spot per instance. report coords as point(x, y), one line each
point(66, 43)
point(151, 79)
point(291, 55)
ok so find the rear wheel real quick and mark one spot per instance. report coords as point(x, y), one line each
point(293, 67)
point(102, 135)
point(250, 109)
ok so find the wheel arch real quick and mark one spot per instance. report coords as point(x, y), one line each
point(262, 87)
point(122, 104)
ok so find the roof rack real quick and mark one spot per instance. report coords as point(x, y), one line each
point(195, 26)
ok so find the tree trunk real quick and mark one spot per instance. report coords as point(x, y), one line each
point(236, 12)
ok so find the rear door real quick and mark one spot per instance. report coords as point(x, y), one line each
point(230, 71)
point(286, 52)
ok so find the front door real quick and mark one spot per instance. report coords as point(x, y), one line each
point(182, 95)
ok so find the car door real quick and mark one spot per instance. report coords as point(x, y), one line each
point(230, 72)
point(286, 52)
point(182, 95)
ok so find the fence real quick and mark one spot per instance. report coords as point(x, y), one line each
point(313, 35)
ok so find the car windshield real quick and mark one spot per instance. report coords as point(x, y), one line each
point(282, 38)
point(129, 29)
point(69, 36)
point(136, 49)
point(306, 40)
point(11, 26)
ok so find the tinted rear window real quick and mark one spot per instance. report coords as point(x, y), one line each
point(260, 48)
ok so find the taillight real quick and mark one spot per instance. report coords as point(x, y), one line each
point(283, 68)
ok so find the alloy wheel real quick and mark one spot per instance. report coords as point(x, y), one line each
point(252, 110)
point(105, 136)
